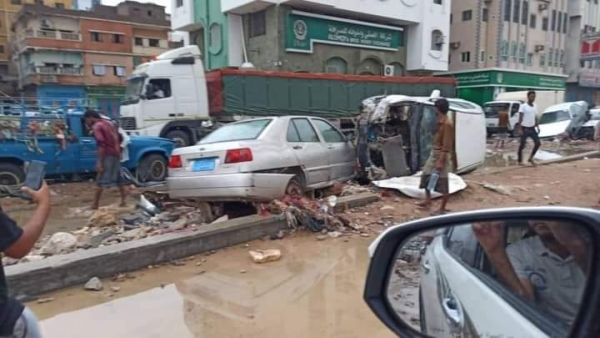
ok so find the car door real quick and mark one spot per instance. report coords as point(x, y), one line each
point(341, 153)
point(88, 149)
point(471, 305)
point(514, 114)
point(311, 153)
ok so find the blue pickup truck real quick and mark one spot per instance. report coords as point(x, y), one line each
point(37, 136)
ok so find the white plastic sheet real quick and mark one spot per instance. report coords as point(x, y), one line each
point(409, 185)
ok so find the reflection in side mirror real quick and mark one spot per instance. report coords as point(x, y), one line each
point(502, 278)
point(149, 90)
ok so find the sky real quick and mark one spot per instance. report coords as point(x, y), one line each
point(166, 3)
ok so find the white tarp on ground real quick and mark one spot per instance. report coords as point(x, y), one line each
point(544, 155)
point(409, 185)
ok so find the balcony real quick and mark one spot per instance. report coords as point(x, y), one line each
point(51, 74)
point(182, 17)
point(55, 35)
point(49, 70)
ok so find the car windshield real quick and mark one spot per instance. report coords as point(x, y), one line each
point(248, 130)
point(555, 116)
point(134, 89)
point(492, 109)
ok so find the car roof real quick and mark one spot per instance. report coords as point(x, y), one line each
point(455, 103)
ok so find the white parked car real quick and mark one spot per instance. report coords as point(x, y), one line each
point(560, 118)
point(262, 159)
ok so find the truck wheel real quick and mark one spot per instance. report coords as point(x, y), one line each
point(181, 138)
point(11, 174)
point(152, 168)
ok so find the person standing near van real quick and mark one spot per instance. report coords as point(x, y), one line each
point(503, 122)
point(528, 127)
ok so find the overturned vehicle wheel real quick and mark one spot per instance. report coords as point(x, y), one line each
point(294, 187)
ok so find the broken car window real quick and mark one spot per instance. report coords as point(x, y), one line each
point(330, 134)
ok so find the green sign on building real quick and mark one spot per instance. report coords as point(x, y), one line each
point(305, 29)
point(509, 79)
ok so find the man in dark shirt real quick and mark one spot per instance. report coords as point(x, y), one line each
point(108, 165)
point(17, 321)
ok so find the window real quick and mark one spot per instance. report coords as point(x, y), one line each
point(565, 22)
point(463, 244)
point(545, 23)
point(507, 10)
point(485, 15)
point(1, 49)
point(437, 2)
point(517, 11)
point(451, 17)
point(118, 38)
point(562, 58)
point(533, 21)
point(161, 89)
point(467, 15)
point(258, 24)
point(304, 132)
point(154, 42)
point(522, 53)
point(525, 13)
point(465, 57)
point(529, 59)
point(179, 3)
point(59, 5)
point(99, 70)
point(39, 2)
point(556, 58)
point(553, 23)
point(139, 41)
point(550, 57)
point(504, 50)
point(336, 65)
point(329, 133)
point(215, 38)
point(247, 130)
point(542, 59)
point(119, 71)
point(95, 36)
point(513, 51)
point(560, 23)
point(16, 2)
point(482, 56)
point(437, 40)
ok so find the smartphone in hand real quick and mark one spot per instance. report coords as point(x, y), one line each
point(34, 177)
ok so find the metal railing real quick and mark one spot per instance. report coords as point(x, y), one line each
point(50, 70)
point(52, 34)
point(19, 106)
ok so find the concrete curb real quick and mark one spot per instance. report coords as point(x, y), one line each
point(576, 157)
point(62, 271)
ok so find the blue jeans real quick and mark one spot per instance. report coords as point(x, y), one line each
point(26, 326)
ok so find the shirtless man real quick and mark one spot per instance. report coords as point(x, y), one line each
point(503, 123)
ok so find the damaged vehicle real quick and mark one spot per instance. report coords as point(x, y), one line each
point(396, 133)
point(262, 159)
point(568, 117)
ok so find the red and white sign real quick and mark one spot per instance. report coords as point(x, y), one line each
point(589, 79)
point(590, 47)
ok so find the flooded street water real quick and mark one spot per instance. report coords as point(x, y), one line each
point(315, 290)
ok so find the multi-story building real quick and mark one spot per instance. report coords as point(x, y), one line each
point(63, 55)
point(335, 36)
point(583, 52)
point(507, 45)
point(8, 11)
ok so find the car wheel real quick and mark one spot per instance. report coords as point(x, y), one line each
point(180, 137)
point(294, 187)
point(11, 174)
point(422, 314)
point(152, 168)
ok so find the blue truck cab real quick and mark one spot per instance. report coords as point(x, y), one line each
point(35, 136)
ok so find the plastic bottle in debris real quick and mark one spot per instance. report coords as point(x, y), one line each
point(433, 179)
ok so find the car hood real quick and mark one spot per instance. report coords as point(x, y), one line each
point(591, 123)
point(553, 129)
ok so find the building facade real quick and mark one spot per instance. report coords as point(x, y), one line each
point(62, 55)
point(335, 36)
point(508, 45)
point(583, 52)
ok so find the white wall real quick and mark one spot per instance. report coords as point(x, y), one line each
point(420, 56)
point(235, 40)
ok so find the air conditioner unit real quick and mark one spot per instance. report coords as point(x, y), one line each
point(455, 45)
point(388, 70)
point(539, 48)
point(543, 6)
point(440, 40)
point(44, 23)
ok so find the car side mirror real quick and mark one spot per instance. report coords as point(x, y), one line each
point(149, 90)
point(502, 273)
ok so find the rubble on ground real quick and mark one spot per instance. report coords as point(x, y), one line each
point(265, 256)
point(94, 284)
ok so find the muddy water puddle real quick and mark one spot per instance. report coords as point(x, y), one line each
point(499, 158)
point(315, 290)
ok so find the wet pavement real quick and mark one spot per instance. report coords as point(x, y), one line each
point(315, 290)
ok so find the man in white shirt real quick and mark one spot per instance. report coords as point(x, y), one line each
point(158, 93)
point(528, 127)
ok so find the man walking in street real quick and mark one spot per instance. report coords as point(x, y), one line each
point(17, 321)
point(439, 159)
point(528, 127)
point(108, 164)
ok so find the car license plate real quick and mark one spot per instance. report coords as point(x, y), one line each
point(205, 164)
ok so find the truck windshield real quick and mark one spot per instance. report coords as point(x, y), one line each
point(492, 109)
point(135, 85)
point(240, 131)
point(555, 116)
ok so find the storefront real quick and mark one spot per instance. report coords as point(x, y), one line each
point(481, 86)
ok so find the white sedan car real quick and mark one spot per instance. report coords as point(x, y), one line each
point(262, 159)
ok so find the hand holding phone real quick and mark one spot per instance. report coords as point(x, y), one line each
point(34, 182)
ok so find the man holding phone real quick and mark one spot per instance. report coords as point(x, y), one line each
point(17, 321)
point(108, 165)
